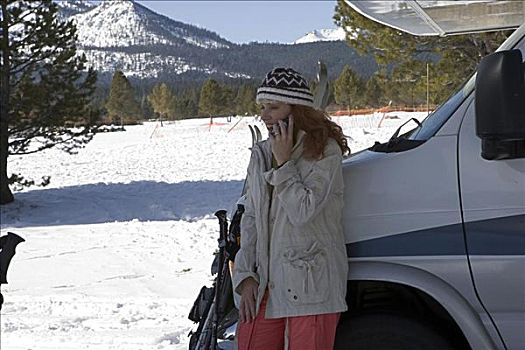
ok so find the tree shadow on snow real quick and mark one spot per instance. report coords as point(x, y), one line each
point(118, 202)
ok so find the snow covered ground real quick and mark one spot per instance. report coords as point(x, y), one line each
point(120, 242)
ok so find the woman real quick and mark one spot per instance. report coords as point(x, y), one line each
point(292, 266)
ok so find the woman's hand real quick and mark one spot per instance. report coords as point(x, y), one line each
point(282, 141)
point(248, 289)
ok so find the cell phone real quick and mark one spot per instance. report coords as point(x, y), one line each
point(285, 121)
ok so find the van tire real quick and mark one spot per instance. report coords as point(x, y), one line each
point(387, 332)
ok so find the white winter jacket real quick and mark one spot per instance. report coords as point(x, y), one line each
point(295, 248)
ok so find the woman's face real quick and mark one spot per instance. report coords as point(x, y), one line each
point(272, 112)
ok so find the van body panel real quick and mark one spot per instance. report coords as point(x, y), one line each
point(489, 189)
point(395, 193)
point(493, 201)
point(503, 296)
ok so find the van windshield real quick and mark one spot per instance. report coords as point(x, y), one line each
point(436, 119)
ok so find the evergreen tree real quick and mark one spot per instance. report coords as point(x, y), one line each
point(227, 100)
point(373, 92)
point(331, 92)
point(121, 104)
point(245, 100)
point(410, 84)
point(348, 89)
point(44, 87)
point(454, 57)
point(187, 104)
point(162, 100)
point(186, 107)
point(210, 102)
point(145, 107)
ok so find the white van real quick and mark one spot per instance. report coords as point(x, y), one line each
point(435, 220)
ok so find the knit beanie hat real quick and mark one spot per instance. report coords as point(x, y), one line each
point(285, 85)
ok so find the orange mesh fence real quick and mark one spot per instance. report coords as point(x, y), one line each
point(386, 109)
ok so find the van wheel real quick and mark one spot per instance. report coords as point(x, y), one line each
point(387, 332)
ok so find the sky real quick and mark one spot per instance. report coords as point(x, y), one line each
point(247, 21)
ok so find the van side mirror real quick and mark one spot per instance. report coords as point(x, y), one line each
point(500, 105)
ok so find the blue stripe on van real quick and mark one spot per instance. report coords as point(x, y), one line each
point(500, 236)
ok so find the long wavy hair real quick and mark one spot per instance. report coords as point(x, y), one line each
point(318, 128)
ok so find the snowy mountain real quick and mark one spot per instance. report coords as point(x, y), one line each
point(126, 23)
point(322, 35)
point(148, 47)
point(124, 35)
point(70, 8)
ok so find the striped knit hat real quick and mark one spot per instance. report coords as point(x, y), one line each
point(285, 85)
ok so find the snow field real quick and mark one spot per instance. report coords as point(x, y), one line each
point(121, 241)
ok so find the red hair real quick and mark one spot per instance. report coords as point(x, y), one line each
point(318, 128)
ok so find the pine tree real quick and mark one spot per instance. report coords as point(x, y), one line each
point(44, 88)
point(121, 104)
point(409, 86)
point(145, 106)
point(227, 100)
point(454, 57)
point(162, 100)
point(245, 100)
point(210, 102)
point(348, 89)
point(187, 104)
point(373, 92)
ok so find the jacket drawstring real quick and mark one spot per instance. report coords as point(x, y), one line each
point(305, 261)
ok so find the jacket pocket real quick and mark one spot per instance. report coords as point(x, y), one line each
point(306, 275)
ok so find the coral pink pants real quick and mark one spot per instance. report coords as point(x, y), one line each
point(315, 332)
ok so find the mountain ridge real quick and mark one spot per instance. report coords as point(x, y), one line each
point(322, 35)
point(118, 17)
point(125, 35)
